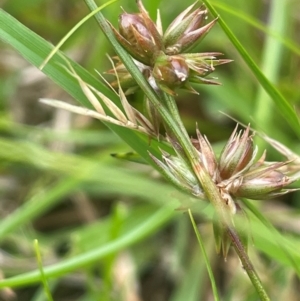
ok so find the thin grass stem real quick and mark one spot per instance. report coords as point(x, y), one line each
point(247, 265)
point(208, 267)
point(43, 276)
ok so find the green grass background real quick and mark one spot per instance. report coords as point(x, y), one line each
point(108, 229)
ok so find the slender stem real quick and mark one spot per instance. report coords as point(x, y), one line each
point(209, 270)
point(41, 269)
point(173, 109)
point(247, 265)
point(171, 106)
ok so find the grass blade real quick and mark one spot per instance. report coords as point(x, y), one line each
point(281, 103)
point(35, 49)
point(40, 264)
point(209, 269)
point(154, 222)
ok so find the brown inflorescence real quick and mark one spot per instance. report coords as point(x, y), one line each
point(164, 54)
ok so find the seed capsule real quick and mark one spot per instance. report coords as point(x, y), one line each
point(170, 72)
point(186, 30)
point(263, 183)
point(237, 154)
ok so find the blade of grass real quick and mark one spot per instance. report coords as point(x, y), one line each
point(35, 49)
point(73, 171)
point(154, 222)
point(208, 267)
point(41, 269)
point(37, 205)
point(66, 37)
point(280, 102)
point(271, 63)
point(288, 43)
point(276, 234)
point(195, 280)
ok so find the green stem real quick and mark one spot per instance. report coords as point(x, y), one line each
point(209, 269)
point(171, 105)
point(173, 109)
point(247, 265)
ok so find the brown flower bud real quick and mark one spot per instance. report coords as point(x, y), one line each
point(136, 38)
point(139, 36)
point(237, 154)
point(169, 68)
point(206, 154)
point(186, 30)
point(263, 182)
point(170, 72)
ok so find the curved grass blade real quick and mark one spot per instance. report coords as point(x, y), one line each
point(208, 267)
point(35, 49)
point(154, 222)
point(281, 103)
point(288, 43)
point(41, 269)
point(65, 38)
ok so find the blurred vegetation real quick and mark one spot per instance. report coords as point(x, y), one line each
point(60, 185)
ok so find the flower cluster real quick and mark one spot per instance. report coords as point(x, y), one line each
point(162, 57)
point(236, 173)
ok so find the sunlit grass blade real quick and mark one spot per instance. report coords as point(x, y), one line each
point(288, 43)
point(41, 269)
point(208, 267)
point(148, 226)
point(35, 49)
point(281, 103)
point(67, 36)
point(277, 236)
point(270, 66)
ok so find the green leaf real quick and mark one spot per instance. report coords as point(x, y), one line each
point(35, 49)
point(288, 43)
point(281, 103)
point(208, 266)
point(155, 220)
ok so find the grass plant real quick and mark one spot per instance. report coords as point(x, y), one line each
point(113, 229)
